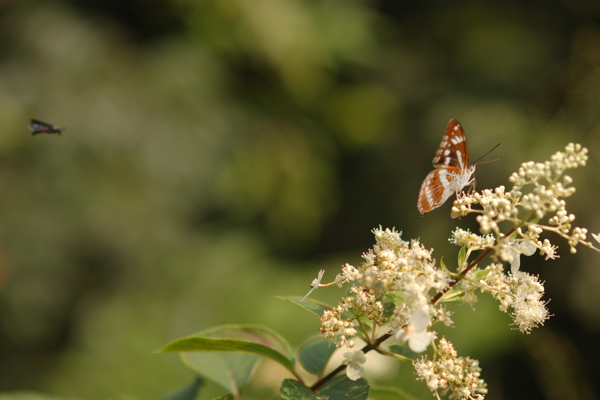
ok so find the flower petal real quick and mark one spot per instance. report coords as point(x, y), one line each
point(354, 357)
point(528, 248)
point(419, 341)
point(420, 320)
point(354, 371)
point(508, 254)
point(515, 265)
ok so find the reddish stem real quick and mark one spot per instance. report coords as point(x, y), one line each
point(368, 347)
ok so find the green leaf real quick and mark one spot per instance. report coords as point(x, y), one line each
point(27, 395)
point(315, 354)
point(390, 393)
point(231, 371)
point(228, 355)
point(479, 275)
point(388, 309)
point(396, 297)
point(343, 388)
point(461, 257)
point(454, 294)
point(253, 333)
point(314, 306)
point(339, 388)
point(443, 264)
point(227, 396)
point(366, 322)
point(291, 389)
point(403, 351)
point(198, 343)
point(187, 393)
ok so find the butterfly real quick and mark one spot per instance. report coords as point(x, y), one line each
point(37, 126)
point(452, 170)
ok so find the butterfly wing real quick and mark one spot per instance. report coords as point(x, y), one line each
point(438, 186)
point(453, 150)
point(452, 171)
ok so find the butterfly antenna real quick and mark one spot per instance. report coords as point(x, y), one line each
point(488, 152)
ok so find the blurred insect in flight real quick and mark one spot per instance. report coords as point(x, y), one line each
point(36, 126)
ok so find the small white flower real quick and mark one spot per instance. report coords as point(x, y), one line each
point(462, 237)
point(529, 311)
point(548, 249)
point(315, 283)
point(354, 361)
point(349, 274)
point(596, 236)
point(512, 253)
point(415, 333)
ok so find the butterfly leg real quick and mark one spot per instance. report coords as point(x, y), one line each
point(473, 183)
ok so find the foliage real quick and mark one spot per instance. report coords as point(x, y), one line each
point(220, 152)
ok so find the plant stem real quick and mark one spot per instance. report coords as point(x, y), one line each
point(368, 347)
point(470, 267)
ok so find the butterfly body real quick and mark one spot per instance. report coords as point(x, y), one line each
point(37, 126)
point(452, 170)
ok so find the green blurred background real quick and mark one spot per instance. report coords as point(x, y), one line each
point(221, 152)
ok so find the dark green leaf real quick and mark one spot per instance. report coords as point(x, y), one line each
point(187, 393)
point(291, 389)
point(314, 306)
point(339, 388)
point(343, 388)
point(315, 354)
point(388, 309)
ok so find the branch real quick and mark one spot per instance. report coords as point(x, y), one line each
point(368, 347)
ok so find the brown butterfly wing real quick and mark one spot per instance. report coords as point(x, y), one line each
point(453, 150)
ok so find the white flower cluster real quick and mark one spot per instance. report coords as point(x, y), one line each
point(498, 206)
point(509, 249)
point(545, 199)
point(549, 188)
point(449, 373)
point(363, 303)
point(334, 326)
point(529, 311)
point(392, 265)
point(520, 294)
point(461, 237)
